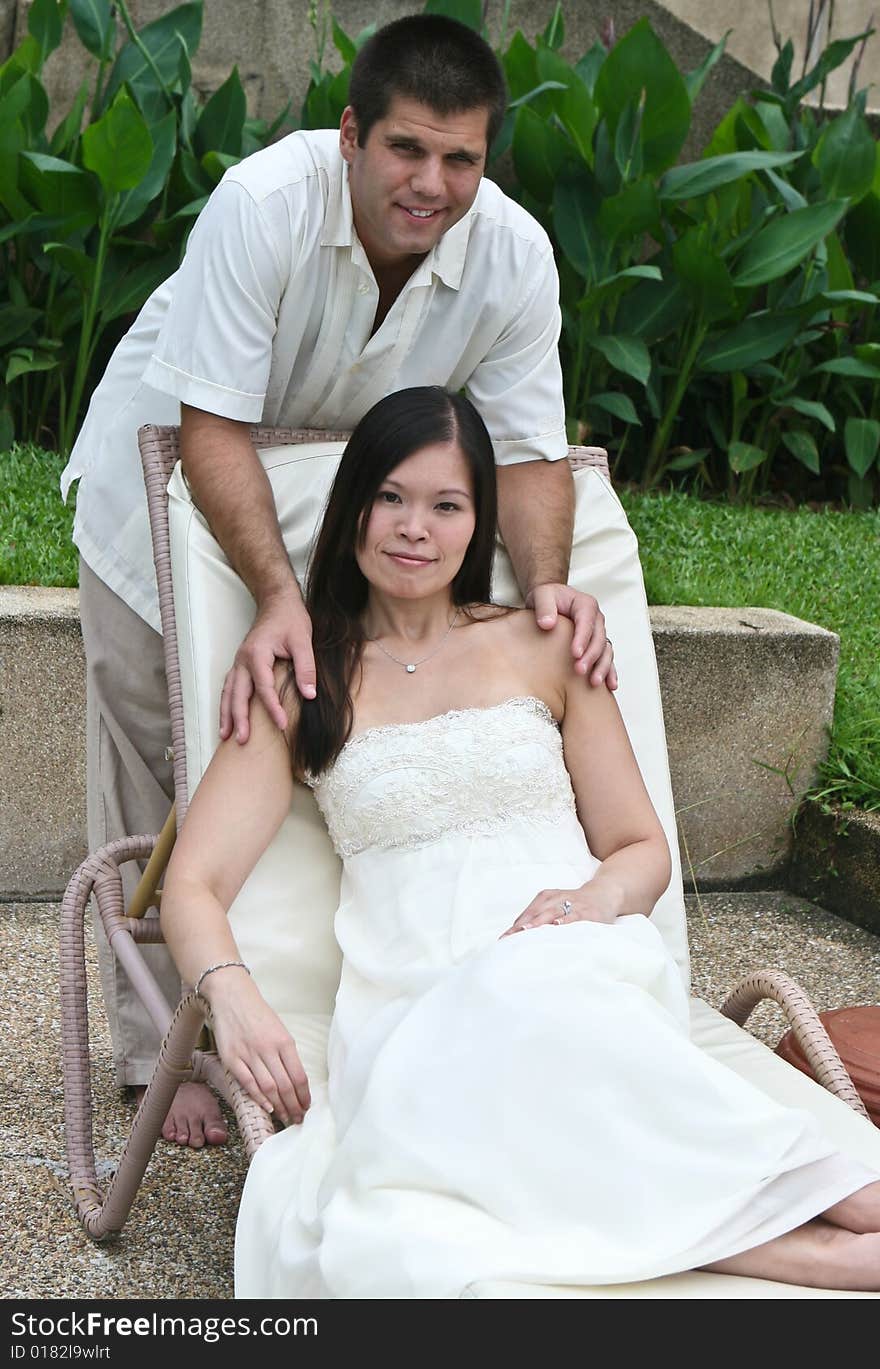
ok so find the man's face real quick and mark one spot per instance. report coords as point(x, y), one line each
point(416, 176)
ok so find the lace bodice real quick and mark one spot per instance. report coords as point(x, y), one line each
point(470, 770)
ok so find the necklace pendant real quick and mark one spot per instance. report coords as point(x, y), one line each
point(410, 670)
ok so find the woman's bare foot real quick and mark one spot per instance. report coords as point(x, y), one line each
point(194, 1117)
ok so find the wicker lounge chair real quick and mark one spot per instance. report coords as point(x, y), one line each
point(197, 649)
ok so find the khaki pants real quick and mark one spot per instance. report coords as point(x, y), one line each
point(129, 789)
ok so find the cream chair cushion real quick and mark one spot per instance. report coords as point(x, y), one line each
point(283, 915)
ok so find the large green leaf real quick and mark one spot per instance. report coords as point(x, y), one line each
point(75, 262)
point(621, 406)
point(627, 354)
point(68, 131)
point(345, 46)
point(639, 62)
point(803, 446)
point(785, 241)
point(704, 275)
point(700, 178)
point(15, 320)
point(755, 339)
point(554, 33)
point(45, 22)
point(653, 309)
point(574, 104)
point(845, 156)
point(635, 210)
point(94, 22)
point(728, 135)
point(696, 79)
point(861, 232)
point(24, 101)
point(614, 286)
point(810, 408)
point(468, 12)
point(850, 366)
point(221, 122)
point(118, 148)
point(57, 187)
point(833, 56)
point(575, 211)
point(520, 63)
point(217, 164)
point(780, 76)
point(23, 360)
point(743, 456)
point(12, 143)
point(539, 154)
point(590, 65)
point(163, 40)
point(861, 439)
point(134, 202)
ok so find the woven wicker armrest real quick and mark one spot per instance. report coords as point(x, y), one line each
point(105, 1214)
point(816, 1044)
point(101, 1214)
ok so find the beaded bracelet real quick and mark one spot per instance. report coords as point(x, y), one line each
point(224, 965)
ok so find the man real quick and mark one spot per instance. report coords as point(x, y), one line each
point(325, 272)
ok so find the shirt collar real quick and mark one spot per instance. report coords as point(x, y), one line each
point(446, 260)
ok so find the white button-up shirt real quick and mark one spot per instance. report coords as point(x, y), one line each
point(269, 320)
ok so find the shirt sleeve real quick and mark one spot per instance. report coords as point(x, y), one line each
point(214, 350)
point(517, 387)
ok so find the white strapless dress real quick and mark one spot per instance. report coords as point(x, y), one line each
point(526, 1109)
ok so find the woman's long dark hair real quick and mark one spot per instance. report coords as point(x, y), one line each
point(397, 427)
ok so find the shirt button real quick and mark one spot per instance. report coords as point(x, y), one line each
point(363, 288)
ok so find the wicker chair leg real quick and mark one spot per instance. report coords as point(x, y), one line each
point(103, 1215)
point(74, 1009)
point(811, 1035)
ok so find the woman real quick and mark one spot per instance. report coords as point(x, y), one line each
point(512, 1091)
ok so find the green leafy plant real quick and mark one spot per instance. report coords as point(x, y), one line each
point(712, 325)
point(95, 214)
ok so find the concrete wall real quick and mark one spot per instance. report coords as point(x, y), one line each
point(743, 690)
point(42, 739)
point(272, 42)
point(748, 698)
point(751, 39)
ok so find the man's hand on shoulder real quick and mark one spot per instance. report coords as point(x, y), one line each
point(282, 630)
point(591, 650)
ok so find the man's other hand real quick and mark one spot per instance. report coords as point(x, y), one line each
point(592, 651)
point(282, 630)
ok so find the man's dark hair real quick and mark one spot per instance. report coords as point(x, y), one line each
point(426, 57)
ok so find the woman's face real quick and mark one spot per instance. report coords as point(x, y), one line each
point(420, 524)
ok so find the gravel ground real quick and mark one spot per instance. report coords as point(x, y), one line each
point(179, 1238)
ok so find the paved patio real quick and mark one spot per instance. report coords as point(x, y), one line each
point(179, 1239)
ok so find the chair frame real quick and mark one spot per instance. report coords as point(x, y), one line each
point(184, 1055)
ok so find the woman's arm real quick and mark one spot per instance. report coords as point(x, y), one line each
point(621, 826)
point(235, 812)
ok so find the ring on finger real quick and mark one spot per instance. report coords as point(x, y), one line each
point(566, 907)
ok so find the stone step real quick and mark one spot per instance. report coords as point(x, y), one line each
point(748, 696)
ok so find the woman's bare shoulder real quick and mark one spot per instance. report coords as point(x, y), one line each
point(541, 657)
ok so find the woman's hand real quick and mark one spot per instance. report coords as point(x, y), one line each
point(560, 906)
point(256, 1047)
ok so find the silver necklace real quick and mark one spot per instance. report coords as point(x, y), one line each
point(410, 666)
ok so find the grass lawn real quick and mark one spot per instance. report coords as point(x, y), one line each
point(821, 566)
point(824, 567)
point(35, 527)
